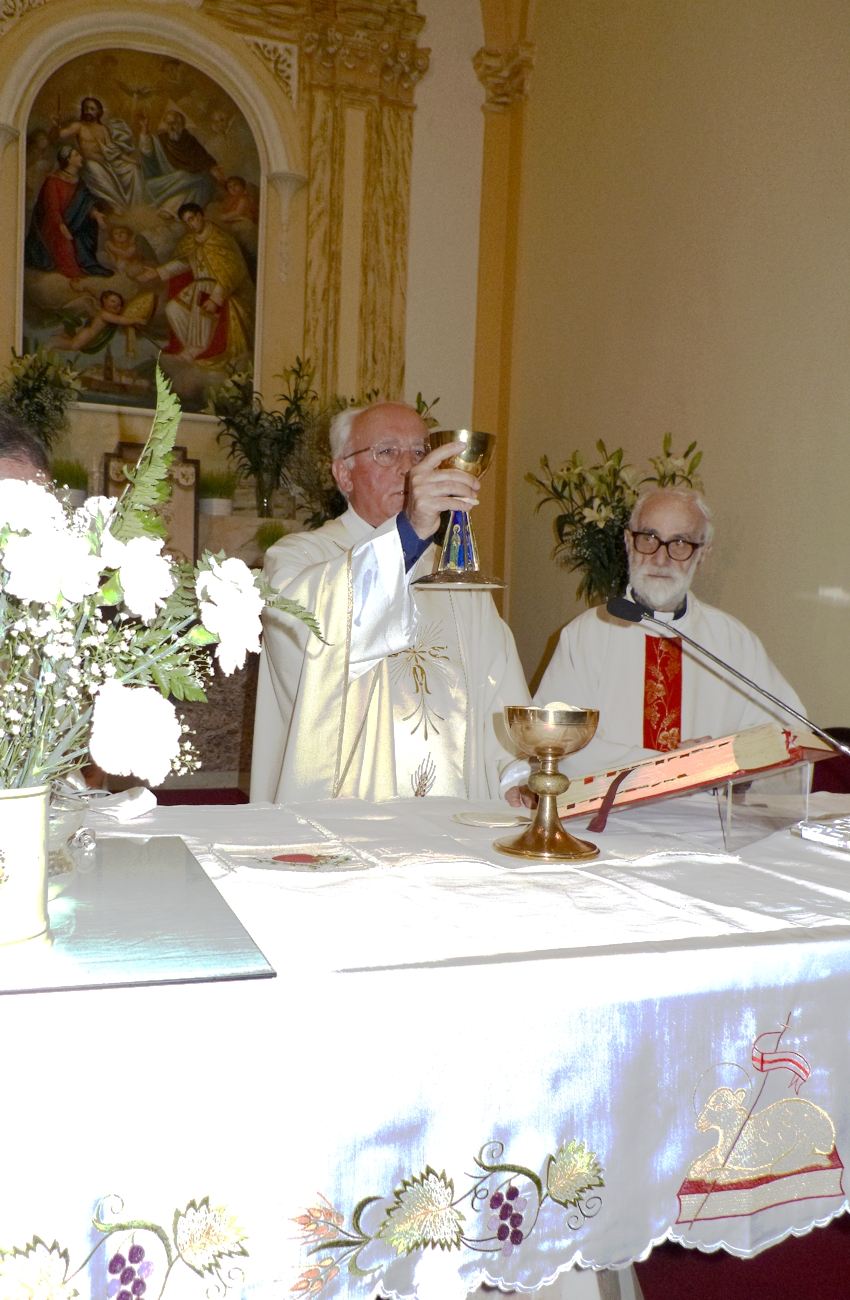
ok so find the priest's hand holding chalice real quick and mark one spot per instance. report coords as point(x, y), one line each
point(469, 452)
point(549, 734)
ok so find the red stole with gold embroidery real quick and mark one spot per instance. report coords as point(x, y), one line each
point(662, 693)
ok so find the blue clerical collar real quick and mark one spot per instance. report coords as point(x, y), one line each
point(679, 612)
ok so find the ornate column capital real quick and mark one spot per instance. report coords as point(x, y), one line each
point(281, 57)
point(504, 74)
point(12, 10)
point(366, 61)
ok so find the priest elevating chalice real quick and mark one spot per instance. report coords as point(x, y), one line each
point(458, 568)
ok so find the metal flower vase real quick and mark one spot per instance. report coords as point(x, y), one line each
point(23, 863)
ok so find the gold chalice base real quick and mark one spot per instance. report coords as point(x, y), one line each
point(550, 844)
point(549, 734)
point(460, 580)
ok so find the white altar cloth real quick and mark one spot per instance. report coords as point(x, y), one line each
point(455, 1043)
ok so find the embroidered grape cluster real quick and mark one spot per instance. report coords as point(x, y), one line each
point(128, 1274)
point(506, 1220)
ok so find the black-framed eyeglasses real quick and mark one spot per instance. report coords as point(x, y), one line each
point(389, 454)
point(678, 548)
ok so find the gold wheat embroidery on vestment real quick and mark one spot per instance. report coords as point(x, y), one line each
point(410, 667)
point(422, 780)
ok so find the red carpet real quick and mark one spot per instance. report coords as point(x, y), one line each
point(816, 1265)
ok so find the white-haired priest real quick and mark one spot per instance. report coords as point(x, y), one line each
point(407, 693)
point(653, 691)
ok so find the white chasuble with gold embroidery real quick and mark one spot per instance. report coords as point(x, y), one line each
point(429, 694)
point(406, 694)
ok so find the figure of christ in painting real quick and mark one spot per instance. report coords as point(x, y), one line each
point(98, 332)
point(209, 292)
point(65, 222)
point(111, 165)
point(176, 165)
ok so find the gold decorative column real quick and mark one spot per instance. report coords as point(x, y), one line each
point(349, 70)
point(383, 300)
point(370, 69)
point(504, 73)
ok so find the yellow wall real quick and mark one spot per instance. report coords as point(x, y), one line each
point(683, 266)
point(448, 129)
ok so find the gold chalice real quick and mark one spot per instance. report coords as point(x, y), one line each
point(549, 734)
point(458, 568)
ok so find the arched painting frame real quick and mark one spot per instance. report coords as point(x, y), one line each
point(142, 212)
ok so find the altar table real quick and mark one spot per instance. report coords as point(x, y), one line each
point(469, 1068)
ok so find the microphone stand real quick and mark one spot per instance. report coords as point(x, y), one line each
point(622, 608)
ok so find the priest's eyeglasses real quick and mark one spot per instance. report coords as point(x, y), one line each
point(390, 454)
point(678, 548)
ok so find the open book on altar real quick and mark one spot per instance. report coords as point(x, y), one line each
point(756, 751)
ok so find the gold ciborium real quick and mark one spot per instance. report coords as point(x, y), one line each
point(549, 734)
point(458, 568)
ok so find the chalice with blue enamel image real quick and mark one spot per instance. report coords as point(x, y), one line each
point(458, 568)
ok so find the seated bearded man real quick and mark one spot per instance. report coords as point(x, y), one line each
point(406, 695)
point(653, 692)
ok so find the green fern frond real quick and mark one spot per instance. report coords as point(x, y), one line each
point(274, 600)
point(137, 514)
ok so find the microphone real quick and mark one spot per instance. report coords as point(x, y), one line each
point(630, 612)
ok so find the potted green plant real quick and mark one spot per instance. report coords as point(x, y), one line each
point(261, 440)
point(215, 492)
point(73, 477)
point(37, 388)
point(268, 533)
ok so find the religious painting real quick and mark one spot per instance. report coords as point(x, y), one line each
point(142, 206)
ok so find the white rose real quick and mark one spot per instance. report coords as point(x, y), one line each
point(230, 608)
point(92, 511)
point(112, 551)
point(99, 506)
point(50, 562)
point(135, 732)
point(146, 576)
point(27, 506)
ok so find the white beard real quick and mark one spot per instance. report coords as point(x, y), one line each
point(664, 594)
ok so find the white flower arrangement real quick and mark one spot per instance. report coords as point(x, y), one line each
point(101, 630)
